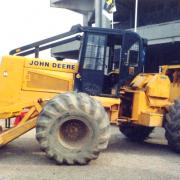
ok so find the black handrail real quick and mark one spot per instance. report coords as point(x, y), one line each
point(36, 46)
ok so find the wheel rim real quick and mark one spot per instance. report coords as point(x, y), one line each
point(74, 133)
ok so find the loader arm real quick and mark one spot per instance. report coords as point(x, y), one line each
point(27, 123)
point(48, 43)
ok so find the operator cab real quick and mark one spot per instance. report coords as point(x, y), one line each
point(109, 59)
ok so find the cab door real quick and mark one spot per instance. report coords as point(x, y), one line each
point(132, 57)
point(92, 63)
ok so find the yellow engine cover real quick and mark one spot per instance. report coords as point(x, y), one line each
point(158, 86)
point(25, 79)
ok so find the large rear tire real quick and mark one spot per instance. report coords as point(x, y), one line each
point(73, 128)
point(134, 132)
point(172, 126)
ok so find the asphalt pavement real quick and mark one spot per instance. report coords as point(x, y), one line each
point(22, 159)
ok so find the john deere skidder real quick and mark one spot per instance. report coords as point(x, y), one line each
point(72, 103)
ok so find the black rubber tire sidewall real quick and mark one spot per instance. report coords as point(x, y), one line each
point(136, 133)
point(172, 126)
point(89, 111)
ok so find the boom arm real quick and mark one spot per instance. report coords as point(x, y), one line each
point(44, 44)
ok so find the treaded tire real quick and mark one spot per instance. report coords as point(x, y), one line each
point(134, 132)
point(73, 128)
point(172, 126)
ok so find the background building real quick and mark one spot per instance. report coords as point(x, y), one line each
point(158, 21)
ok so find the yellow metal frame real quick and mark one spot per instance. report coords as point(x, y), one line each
point(175, 84)
point(22, 89)
point(27, 123)
point(111, 105)
point(165, 68)
point(151, 96)
point(26, 83)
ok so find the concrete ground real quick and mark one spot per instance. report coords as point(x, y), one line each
point(22, 159)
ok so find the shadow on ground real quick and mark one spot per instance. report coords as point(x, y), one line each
point(26, 148)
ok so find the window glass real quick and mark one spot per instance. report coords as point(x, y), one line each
point(94, 54)
point(132, 55)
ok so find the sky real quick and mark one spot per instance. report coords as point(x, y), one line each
point(25, 21)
